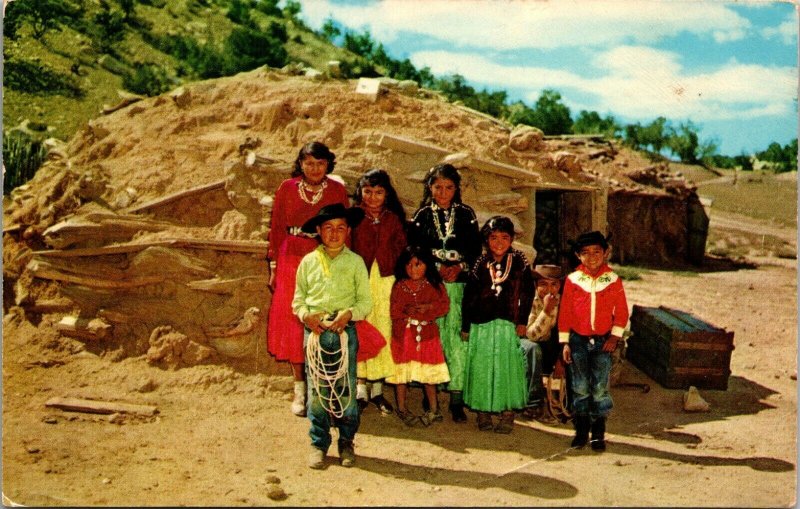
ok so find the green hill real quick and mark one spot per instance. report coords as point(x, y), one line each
point(57, 81)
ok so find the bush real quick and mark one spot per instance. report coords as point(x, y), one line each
point(36, 78)
point(22, 156)
point(148, 79)
point(246, 49)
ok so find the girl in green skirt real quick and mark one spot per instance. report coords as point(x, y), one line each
point(495, 306)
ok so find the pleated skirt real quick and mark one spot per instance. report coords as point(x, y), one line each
point(495, 368)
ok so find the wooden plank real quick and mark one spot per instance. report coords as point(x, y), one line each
point(100, 407)
point(683, 345)
point(506, 170)
point(43, 271)
point(700, 371)
point(95, 328)
point(164, 200)
point(244, 246)
point(409, 146)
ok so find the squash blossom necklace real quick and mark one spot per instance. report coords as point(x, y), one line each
point(497, 275)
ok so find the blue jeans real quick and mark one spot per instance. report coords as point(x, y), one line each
point(321, 419)
point(532, 352)
point(589, 372)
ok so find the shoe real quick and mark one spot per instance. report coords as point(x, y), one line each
point(506, 423)
point(347, 455)
point(599, 434)
point(457, 412)
point(581, 431)
point(485, 421)
point(429, 418)
point(316, 459)
point(384, 406)
point(362, 404)
point(408, 418)
point(530, 413)
point(299, 402)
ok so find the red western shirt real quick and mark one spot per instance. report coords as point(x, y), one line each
point(592, 305)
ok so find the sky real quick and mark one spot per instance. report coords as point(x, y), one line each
point(731, 68)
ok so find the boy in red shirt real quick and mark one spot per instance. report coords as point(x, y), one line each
point(592, 317)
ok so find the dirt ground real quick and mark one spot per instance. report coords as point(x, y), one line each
point(226, 437)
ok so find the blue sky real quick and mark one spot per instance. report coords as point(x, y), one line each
point(728, 67)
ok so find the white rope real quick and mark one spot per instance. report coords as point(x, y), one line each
point(326, 375)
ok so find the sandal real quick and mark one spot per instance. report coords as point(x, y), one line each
point(408, 418)
point(484, 421)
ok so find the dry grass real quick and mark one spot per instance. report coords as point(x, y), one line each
point(761, 196)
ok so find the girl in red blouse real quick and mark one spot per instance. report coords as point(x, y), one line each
point(297, 200)
point(379, 239)
point(418, 299)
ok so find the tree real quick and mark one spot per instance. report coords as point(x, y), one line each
point(654, 134)
point(590, 122)
point(684, 142)
point(43, 15)
point(239, 12)
point(246, 49)
point(291, 9)
point(550, 115)
point(360, 44)
point(330, 30)
point(110, 27)
point(269, 7)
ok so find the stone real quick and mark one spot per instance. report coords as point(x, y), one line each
point(276, 492)
point(181, 97)
point(524, 138)
point(693, 402)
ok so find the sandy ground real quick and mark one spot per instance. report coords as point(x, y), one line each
point(225, 437)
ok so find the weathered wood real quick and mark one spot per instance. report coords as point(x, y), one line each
point(46, 271)
point(164, 200)
point(52, 306)
point(100, 407)
point(237, 246)
point(505, 170)
point(96, 328)
point(226, 286)
point(409, 146)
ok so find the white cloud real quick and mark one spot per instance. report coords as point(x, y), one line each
point(639, 83)
point(505, 25)
point(786, 31)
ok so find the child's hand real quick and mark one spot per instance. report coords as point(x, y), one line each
point(340, 322)
point(566, 354)
point(521, 330)
point(450, 273)
point(550, 303)
point(313, 322)
point(611, 343)
point(465, 336)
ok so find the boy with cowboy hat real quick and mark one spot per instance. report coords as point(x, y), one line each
point(331, 292)
point(592, 319)
point(537, 347)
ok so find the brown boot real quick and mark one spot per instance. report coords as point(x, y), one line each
point(506, 423)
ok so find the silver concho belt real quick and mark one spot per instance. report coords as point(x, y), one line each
point(447, 255)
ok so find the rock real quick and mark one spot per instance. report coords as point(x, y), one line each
point(408, 87)
point(50, 420)
point(272, 479)
point(181, 96)
point(32, 449)
point(314, 74)
point(275, 492)
point(334, 68)
point(146, 385)
point(567, 162)
point(524, 137)
point(116, 418)
point(693, 402)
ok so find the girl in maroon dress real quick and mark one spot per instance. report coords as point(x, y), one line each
point(418, 299)
point(297, 200)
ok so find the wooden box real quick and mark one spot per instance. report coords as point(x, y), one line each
point(677, 349)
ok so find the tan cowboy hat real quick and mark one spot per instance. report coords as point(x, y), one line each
point(547, 272)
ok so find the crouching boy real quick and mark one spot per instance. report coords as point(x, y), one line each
point(332, 292)
point(592, 318)
point(540, 352)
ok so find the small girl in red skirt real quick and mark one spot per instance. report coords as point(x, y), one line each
point(418, 298)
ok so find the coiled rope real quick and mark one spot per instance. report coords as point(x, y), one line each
point(326, 376)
